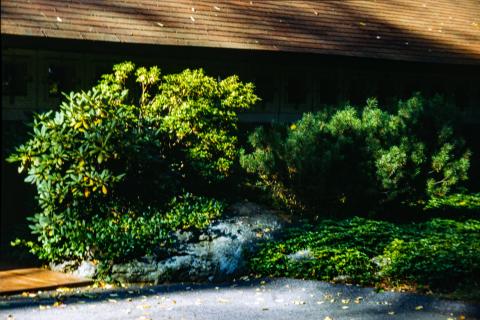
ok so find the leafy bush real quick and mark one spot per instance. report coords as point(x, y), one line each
point(440, 254)
point(118, 234)
point(356, 159)
point(112, 158)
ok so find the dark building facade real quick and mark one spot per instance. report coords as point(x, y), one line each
point(301, 55)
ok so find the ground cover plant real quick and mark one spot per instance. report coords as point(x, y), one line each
point(456, 201)
point(439, 254)
point(362, 159)
point(120, 166)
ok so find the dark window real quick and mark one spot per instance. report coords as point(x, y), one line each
point(386, 94)
point(297, 90)
point(14, 79)
point(328, 91)
point(61, 78)
point(438, 86)
point(100, 71)
point(411, 85)
point(461, 95)
point(265, 88)
point(360, 89)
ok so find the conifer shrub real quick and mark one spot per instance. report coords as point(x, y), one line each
point(352, 159)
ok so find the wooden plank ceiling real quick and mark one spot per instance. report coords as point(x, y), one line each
point(445, 31)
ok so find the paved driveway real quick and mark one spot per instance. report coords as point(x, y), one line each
point(270, 299)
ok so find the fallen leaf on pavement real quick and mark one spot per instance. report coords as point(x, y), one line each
point(58, 304)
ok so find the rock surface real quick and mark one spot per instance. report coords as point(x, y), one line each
point(216, 254)
point(86, 269)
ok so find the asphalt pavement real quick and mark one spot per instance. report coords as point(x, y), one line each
point(276, 299)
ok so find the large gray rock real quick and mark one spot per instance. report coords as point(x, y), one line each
point(86, 269)
point(218, 253)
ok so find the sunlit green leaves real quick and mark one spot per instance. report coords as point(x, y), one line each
point(135, 140)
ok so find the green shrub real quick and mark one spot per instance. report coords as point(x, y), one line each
point(440, 254)
point(191, 212)
point(129, 145)
point(119, 237)
point(356, 159)
point(117, 234)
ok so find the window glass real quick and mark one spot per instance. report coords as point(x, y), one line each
point(360, 89)
point(265, 89)
point(60, 78)
point(296, 91)
point(14, 79)
point(327, 90)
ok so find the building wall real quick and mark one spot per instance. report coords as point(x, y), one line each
point(35, 72)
